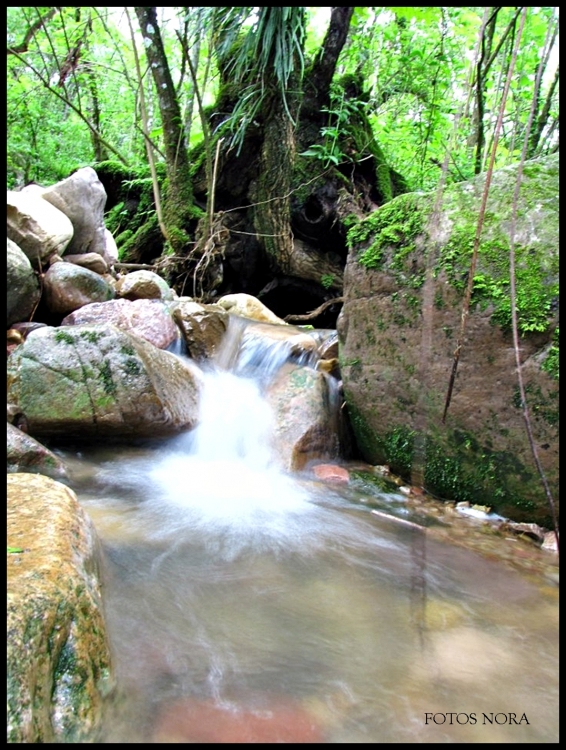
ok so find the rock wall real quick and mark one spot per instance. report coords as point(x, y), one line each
point(404, 286)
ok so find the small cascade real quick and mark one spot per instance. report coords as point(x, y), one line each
point(178, 347)
point(258, 350)
point(225, 473)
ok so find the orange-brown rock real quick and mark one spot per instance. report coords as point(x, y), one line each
point(331, 473)
point(189, 720)
point(58, 655)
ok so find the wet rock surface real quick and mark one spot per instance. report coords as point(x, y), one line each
point(58, 653)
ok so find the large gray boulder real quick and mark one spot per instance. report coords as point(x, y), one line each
point(67, 287)
point(81, 197)
point(96, 381)
point(398, 333)
point(148, 318)
point(58, 657)
point(39, 229)
point(22, 285)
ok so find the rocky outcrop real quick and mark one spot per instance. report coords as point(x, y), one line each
point(144, 285)
point(25, 454)
point(97, 381)
point(93, 261)
point(249, 306)
point(404, 286)
point(82, 198)
point(21, 285)
point(148, 318)
point(203, 326)
point(58, 659)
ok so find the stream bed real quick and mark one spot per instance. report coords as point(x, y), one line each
point(247, 605)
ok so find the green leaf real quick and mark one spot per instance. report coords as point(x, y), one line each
point(14, 550)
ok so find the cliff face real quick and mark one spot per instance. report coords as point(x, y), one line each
point(404, 285)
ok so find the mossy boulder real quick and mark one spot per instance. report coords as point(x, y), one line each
point(404, 286)
point(90, 381)
point(58, 657)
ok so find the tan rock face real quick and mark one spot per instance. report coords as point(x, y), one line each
point(203, 326)
point(58, 655)
point(398, 334)
point(305, 429)
point(144, 285)
point(249, 306)
point(93, 261)
point(38, 228)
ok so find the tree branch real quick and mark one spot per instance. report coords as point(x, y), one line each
point(19, 49)
point(70, 104)
point(315, 313)
point(318, 83)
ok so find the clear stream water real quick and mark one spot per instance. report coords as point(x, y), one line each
point(244, 604)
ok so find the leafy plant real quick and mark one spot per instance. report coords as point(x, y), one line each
point(341, 116)
point(327, 280)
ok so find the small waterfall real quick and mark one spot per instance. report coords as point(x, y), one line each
point(224, 474)
point(257, 350)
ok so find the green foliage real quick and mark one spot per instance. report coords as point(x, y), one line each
point(393, 227)
point(62, 337)
point(76, 62)
point(414, 64)
point(417, 71)
point(327, 280)
point(533, 303)
point(266, 55)
point(551, 364)
point(343, 115)
point(107, 381)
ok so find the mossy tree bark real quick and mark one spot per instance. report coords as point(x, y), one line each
point(178, 198)
point(270, 192)
point(286, 210)
point(272, 189)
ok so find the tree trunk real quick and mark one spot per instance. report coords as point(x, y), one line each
point(178, 198)
point(287, 239)
point(270, 193)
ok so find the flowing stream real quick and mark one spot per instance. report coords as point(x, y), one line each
point(245, 604)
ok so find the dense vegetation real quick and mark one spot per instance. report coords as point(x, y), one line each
point(223, 135)
point(73, 97)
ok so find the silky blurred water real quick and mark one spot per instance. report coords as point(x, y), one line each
point(229, 584)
